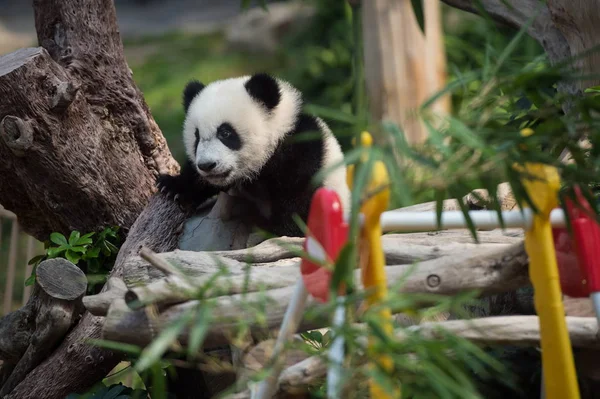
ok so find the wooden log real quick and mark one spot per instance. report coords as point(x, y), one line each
point(155, 228)
point(98, 304)
point(61, 279)
point(32, 332)
point(200, 268)
point(512, 330)
point(490, 272)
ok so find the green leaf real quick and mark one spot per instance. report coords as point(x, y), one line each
point(74, 237)
point(331, 114)
point(105, 248)
point(470, 225)
point(81, 250)
point(417, 6)
point(30, 280)
point(36, 260)
point(199, 330)
point(59, 239)
point(116, 346)
point(93, 265)
point(159, 386)
point(161, 344)
point(111, 248)
point(84, 241)
point(343, 265)
point(72, 257)
point(55, 252)
point(113, 392)
point(508, 50)
point(462, 132)
point(92, 253)
point(88, 235)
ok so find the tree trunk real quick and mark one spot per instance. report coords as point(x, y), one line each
point(564, 28)
point(76, 365)
point(79, 149)
point(403, 66)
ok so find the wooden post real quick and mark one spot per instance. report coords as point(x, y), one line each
point(403, 67)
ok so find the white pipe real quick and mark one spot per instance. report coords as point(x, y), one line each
point(427, 221)
point(595, 296)
point(293, 314)
point(336, 353)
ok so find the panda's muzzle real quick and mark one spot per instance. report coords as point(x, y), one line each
point(206, 166)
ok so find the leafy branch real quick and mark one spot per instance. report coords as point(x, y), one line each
point(94, 252)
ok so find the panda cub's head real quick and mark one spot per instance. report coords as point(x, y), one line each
point(232, 126)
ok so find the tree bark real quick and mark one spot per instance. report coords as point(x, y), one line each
point(79, 149)
point(564, 28)
point(156, 228)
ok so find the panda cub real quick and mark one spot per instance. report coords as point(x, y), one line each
point(247, 136)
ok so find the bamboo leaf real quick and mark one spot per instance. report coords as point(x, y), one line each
point(161, 344)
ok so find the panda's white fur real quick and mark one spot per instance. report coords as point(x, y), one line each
point(263, 113)
point(333, 155)
point(228, 101)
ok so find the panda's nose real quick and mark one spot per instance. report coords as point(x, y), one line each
point(206, 166)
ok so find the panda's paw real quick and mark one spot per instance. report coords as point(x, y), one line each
point(170, 186)
point(176, 189)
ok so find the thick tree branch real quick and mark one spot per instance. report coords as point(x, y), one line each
point(566, 29)
point(520, 13)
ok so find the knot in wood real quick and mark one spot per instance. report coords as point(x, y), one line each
point(433, 281)
point(17, 134)
point(65, 95)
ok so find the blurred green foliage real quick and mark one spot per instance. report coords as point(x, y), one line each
point(317, 60)
point(497, 83)
point(163, 65)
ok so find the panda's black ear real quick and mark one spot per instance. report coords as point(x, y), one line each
point(191, 90)
point(265, 89)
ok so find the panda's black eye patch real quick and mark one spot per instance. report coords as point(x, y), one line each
point(197, 135)
point(229, 136)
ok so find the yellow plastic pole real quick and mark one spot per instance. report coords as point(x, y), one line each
point(373, 272)
point(542, 184)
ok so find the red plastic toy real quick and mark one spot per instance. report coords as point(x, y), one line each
point(578, 256)
point(327, 233)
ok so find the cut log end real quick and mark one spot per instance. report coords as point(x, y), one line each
point(61, 279)
point(17, 59)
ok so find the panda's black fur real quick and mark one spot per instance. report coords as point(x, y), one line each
point(283, 185)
